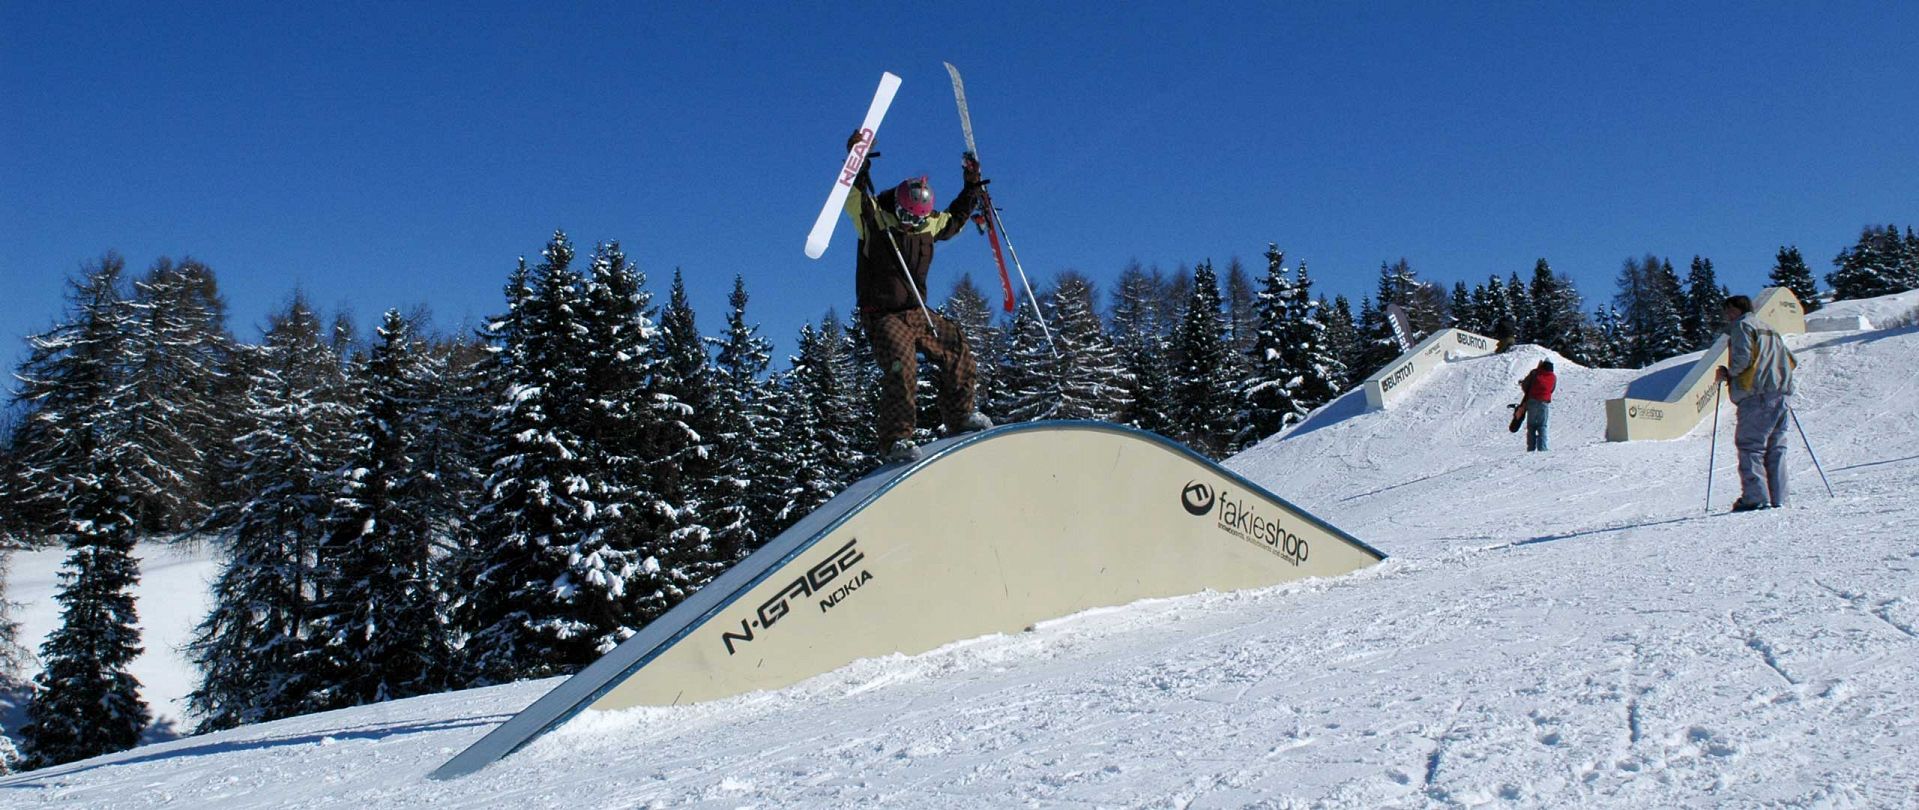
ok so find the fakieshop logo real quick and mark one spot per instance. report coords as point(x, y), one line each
point(1197, 498)
point(1241, 519)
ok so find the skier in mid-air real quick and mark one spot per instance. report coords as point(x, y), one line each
point(897, 229)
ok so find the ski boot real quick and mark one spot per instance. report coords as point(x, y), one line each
point(903, 451)
point(973, 423)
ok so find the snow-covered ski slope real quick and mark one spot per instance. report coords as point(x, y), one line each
point(1563, 629)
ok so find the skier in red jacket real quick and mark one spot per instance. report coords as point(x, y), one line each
point(1538, 385)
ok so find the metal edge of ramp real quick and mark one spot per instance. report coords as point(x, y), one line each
point(578, 692)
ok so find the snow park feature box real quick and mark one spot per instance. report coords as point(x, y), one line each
point(1392, 382)
point(988, 533)
point(1667, 405)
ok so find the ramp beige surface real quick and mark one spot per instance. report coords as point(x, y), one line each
point(1392, 382)
point(1029, 526)
point(1672, 414)
point(988, 533)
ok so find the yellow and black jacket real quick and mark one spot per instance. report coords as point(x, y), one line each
point(878, 279)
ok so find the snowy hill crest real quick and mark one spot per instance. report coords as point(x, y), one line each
point(1558, 629)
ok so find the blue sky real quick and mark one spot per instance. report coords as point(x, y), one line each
point(392, 154)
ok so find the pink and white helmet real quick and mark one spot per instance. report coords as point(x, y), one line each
point(913, 201)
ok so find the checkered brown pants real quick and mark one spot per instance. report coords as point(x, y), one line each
point(897, 337)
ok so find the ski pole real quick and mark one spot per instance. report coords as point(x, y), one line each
point(1713, 453)
point(873, 205)
point(1030, 297)
point(1815, 456)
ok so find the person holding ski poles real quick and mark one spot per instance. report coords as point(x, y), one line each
point(1538, 387)
point(897, 230)
point(1758, 375)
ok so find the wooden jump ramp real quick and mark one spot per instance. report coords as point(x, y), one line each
point(988, 533)
point(1668, 404)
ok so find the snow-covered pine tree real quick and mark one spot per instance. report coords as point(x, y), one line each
point(376, 620)
point(1134, 309)
point(1609, 340)
point(1175, 292)
point(255, 650)
point(1090, 374)
point(1203, 382)
point(1341, 337)
point(1789, 270)
point(1880, 263)
point(1464, 316)
point(1910, 262)
point(180, 349)
point(1136, 333)
point(815, 447)
point(1425, 303)
point(793, 458)
point(13, 532)
point(1481, 308)
point(1497, 313)
point(1519, 300)
point(1704, 299)
point(1242, 311)
point(1153, 395)
point(743, 494)
point(1029, 389)
point(968, 307)
point(1360, 352)
point(1378, 343)
point(681, 476)
point(85, 702)
point(552, 585)
point(13, 657)
point(1589, 348)
point(481, 392)
point(1395, 286)
point(1266, 394)
point(1559, 317)
point(1314, 360)
point(1649, 301)
point(619, 423)
point(855, 376)
point(1674, 292)
point(451, 437)
point(1106, 378)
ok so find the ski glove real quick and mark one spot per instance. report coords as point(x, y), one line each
point(865, 180)
point(969, 167)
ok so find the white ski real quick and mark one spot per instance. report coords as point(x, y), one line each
point(830, 215)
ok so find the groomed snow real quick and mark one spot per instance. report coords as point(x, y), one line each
point(1865, 313)
point(1564, 629)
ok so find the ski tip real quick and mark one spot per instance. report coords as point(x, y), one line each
point(815, 248)
point(887, 78)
